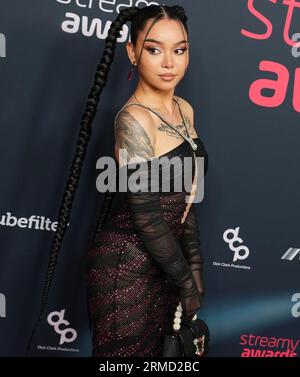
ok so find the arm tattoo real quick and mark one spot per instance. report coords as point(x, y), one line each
point(132, 137)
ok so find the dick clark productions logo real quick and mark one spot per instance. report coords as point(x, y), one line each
point(64, 337)
point(236, 249)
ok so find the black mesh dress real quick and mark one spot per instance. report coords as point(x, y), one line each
point(143, 263)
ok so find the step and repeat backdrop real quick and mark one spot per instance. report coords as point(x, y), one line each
point(244, 84)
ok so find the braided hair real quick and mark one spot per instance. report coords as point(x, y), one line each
point(138, 18)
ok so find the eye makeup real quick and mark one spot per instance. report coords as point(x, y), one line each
point(152, 48)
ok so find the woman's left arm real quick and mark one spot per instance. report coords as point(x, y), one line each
point(191, 247)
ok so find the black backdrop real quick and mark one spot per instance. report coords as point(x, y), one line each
point(249, 218)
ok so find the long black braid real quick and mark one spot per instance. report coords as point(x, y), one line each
point(138, 18)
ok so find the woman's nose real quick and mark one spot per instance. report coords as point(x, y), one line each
point(168, 61)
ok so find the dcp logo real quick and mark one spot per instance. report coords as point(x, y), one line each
point(235, 238)
point(61, 321)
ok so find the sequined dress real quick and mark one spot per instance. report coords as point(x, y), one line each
point(131, 298)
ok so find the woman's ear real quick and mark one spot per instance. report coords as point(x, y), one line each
point(131, 52)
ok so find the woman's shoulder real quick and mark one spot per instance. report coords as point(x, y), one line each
point(185, 105)
point(134, 119)
point(133, 107)
point(139, 113)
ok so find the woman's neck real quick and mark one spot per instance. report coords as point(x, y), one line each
point(156, 100)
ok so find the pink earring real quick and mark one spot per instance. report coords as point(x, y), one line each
point(130, 73)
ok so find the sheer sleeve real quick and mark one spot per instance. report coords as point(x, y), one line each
point(190, 241)
point(163, 247)
point(191, 247)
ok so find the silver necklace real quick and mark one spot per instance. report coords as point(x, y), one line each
point(151, 108)
point(187, 138)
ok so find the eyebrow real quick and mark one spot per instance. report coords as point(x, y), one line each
point(161, 43)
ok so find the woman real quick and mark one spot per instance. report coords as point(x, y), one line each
point(146, 255)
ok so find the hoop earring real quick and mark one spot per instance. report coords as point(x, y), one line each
point(130, 73)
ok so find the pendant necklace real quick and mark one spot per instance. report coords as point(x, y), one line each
point(187, 138)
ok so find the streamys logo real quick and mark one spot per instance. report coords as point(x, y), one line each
point(79, 16)
point(268, 346)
